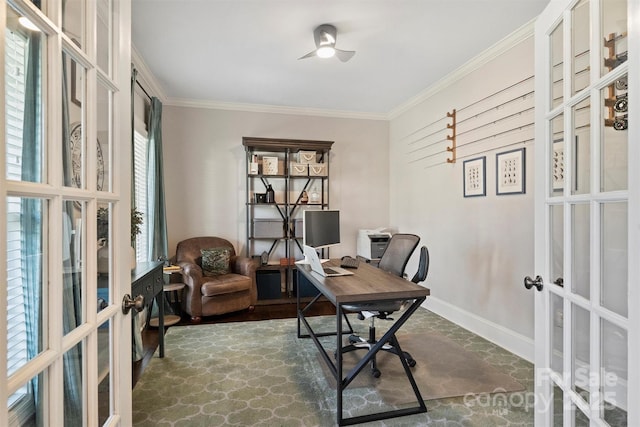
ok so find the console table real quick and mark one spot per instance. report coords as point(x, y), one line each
point(147, 280)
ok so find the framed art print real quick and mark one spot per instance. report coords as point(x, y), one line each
point(76, 80)
point(474, 177)
point(557, 165)
point(510, 172)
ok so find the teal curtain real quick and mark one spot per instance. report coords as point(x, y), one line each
point(137, 347)
point(31, 211)
point(157, 220)
point(72, 359)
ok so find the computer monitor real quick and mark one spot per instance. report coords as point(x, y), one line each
point(321, 228)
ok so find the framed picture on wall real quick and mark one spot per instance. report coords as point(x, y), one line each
point(76, 83)
point(510, 172)
point(474, 177)
point(76, 80)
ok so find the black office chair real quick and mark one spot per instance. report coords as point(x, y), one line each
point(394, 260)
point(396, 255)
point(423, 266)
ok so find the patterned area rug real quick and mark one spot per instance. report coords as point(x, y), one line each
point(259, 373)
point(443, 369)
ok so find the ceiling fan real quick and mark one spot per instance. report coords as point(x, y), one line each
point(325, 38)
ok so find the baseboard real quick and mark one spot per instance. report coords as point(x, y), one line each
point(516, 343)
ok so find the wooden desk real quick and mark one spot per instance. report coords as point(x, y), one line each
point(368, 284)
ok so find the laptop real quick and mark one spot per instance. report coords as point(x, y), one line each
point(314, 261)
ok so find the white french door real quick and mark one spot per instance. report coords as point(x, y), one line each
point(587, 216)
point(65, 162)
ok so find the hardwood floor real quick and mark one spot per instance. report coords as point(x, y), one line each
point(261, 312)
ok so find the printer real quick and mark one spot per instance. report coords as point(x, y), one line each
point(372, 243)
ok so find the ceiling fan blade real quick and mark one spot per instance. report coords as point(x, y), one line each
point(325, 37)
point(308, 55)
point(345, 55)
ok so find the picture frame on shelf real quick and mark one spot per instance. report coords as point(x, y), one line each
point(474, 177)
point(510, 172)
point(253, 165)
point(269, 165)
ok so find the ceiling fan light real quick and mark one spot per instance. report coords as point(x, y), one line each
point(326, 52)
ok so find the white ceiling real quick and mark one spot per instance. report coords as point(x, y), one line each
point(245, 52)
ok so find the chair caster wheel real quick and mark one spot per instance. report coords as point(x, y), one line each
point(410, 360)
point(376, 373)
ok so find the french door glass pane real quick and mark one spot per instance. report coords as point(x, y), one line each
point(613, 287)
point(579, 418)
point(72, 281)
point(103, 31)
point(104, 373)
point(558, 162)
point(614, 373)
point(556, 222)
point(558, 413)
point(26, 406)
point(614, 34)
point(580, 351)
point(105, 134)
point(613, 142)
point(23, 101)
point(26, 232)
point(73, 386)
point(557, 65)
point(581, 157)
point(74, 152)
point(73, 21)
point(557, 343)
point(105, 213)
point(580, 244)
point(580, 46)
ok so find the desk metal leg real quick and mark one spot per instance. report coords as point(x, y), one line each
point(343, 383)
point(301, 318)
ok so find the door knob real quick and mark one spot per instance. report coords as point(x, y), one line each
point(136, 303)
point(529, 283)
point(559, 281)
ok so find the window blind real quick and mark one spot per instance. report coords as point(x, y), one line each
point(140, 149)
point(15, 45)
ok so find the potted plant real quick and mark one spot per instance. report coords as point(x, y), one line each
point(136, 223)
point(103, 237)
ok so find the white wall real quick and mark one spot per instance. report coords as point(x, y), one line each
point(205, 170)
point(481, 247)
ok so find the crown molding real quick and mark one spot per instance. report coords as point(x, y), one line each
point(274, 109)
point(145, 77)
point(149, 82)
point(502, 46)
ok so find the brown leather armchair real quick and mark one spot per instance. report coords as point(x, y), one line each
point(211, 295)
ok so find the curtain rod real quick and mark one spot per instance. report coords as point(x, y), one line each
point(143, 89)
